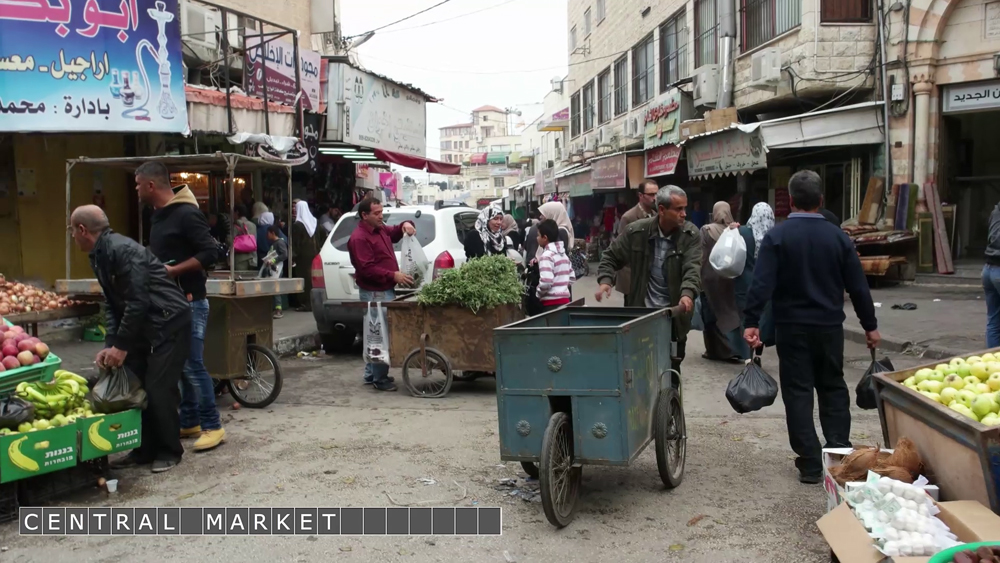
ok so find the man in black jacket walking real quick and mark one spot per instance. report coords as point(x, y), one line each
point(179, 236)
point(803, 267)
point(148, 330)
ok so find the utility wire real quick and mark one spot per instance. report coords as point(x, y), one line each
point(400, 20)
point(452, 18)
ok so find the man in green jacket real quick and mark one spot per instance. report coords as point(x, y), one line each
point(664, 254)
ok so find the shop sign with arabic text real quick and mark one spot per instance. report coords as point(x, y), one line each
point(94, 65)
point(662, 121)
point(278, 56)
point(608, 173)
point(662, 160)
point(976, 96)
point(726, 153)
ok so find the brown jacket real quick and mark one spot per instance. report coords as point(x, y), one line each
point(625, 275)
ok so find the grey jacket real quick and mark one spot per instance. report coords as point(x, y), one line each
point(993, 248)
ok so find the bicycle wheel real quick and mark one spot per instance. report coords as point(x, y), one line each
point(262, 382)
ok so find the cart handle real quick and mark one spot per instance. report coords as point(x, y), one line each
point(675, 311)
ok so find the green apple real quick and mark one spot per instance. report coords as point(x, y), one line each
point(963, 410)
point(982, 406)
point(922, 374)
point(954, 381)
point(989, 357)
point(994, 381)
point(971, 380)
point(932, 396)
point(936, 375)
point(983, 389)
point(947, 369)
point(910, 382)
point(991, 420)
point(993, 367)
point(973, 359)
point(957, 361)
point(979, 370)
point(966, 397)
point(963, 370)
point(948, 394)
point(930, 386)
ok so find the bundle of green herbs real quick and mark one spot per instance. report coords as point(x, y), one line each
point(482, 283)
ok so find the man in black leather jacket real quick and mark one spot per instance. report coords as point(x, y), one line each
point(148, 330)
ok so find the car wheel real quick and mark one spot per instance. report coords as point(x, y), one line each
point(338, 342)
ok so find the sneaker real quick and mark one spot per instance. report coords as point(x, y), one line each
point(131, 460)
point(161, 465)
point(810, 479)
point(278, 315)
point(210, 439)
point(190, 432)
point(385, 385)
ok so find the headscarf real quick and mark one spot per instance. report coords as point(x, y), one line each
point(259, 209)
point(509, 224)
point(304, 216)
point(557, 212)
point(266, 219)
point(496, 240)
point(722, 217)
point(761, 221)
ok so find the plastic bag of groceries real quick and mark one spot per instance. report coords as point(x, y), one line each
point(729, 255)
point(864, 394)
point(753, 389)
point(412, 260)
point(376, 344)
point(117, 390)
point(14, 411)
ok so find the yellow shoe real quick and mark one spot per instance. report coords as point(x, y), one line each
point(190, 432)
point(210, 439)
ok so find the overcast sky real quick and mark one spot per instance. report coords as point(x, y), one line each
point(503, 55)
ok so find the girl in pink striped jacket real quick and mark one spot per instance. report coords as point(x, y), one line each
point(555, 269)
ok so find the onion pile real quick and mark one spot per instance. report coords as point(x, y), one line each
point(16, 298)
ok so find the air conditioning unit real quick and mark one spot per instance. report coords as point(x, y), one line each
point(603, 136)
point(633, 127)
point(479, 138)
point(765, 69)
point(200, 28)
point(706, 85)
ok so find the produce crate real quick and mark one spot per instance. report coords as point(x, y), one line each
point(102, 435)
point(8, 502)
point(54, 486)
point(43, 371)
point(35, 453)
point(960, 455)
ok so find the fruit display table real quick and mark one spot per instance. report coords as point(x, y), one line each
point(951, 412)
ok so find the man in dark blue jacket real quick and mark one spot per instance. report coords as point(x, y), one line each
point(803, 268)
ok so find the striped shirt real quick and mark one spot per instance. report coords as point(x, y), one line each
point(555, 275)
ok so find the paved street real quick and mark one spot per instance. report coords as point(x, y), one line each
point(329, 441)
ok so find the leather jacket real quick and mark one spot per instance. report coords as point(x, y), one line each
point(144, 306)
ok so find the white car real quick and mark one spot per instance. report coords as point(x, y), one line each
point(441, 230)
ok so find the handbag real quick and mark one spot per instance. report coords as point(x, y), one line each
point(245, 243)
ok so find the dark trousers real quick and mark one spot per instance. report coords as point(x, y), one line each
point(812, 357)
point(160, 371)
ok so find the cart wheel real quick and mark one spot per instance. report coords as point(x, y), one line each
point(530, 468)
point(262, 382)
point(671, 442)
point(436, 382)
point(558, 479)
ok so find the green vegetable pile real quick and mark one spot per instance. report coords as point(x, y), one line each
point(482, 283)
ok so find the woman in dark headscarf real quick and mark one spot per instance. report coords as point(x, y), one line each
point(719, 311)
point(490, 239)
point(510, 230)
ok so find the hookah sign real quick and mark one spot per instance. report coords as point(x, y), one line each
point(94, 65)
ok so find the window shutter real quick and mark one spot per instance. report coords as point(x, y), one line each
point(845, 11)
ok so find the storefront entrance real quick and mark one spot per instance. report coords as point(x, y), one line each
point(970, 176)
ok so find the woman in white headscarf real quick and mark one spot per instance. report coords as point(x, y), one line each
point(305, 247)
point(557, 212)
point(489, 238)
point(761, 221)
point(259, 209)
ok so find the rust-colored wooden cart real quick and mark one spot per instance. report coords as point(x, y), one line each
point(431, 343)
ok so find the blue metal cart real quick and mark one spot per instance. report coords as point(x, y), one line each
point(588, 386)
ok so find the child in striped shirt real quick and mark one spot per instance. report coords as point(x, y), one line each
point(555, 269)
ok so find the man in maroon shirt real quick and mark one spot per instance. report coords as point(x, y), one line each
point(376, 270)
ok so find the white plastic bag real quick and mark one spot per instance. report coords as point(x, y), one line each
point(729, 255)
point(376, 344)
point(412, 260)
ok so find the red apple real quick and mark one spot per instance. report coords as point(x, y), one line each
point(26, 346)
point(9, 342)
point(42, 349)
point(20, 337)
point(9, 335)
point(36, 359)
point(17, 330)
point(9, 350)
point(26, 358)
point(2, 367)
point(10, 362)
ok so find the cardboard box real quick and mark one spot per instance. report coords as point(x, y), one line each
point(850, 542)
point(106, 434)
point(835, 493)
point(720, 119)
point(691, 128)
point(36, 453)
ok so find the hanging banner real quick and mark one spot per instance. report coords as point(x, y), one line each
point(313, 126)
point(726, 154)
point(662, 161)
point(108, 65)
point(608, 173)
point(278, 56)
point(662, 121)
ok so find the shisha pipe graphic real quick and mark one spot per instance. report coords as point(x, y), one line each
point(167, 108)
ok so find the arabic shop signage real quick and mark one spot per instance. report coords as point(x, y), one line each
point(94, 65)
point(974, 96)
point(662, 120)
point(662, 160)
point(608, 172)
point(726, 154)
point(278, 57)
point(302, 157)
point(379, 114)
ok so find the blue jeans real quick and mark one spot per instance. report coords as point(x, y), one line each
point(197, 390)
point(376, 372)
point(991, 285)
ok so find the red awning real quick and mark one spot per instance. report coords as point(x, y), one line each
point(419, 162)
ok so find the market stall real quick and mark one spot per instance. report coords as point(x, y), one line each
point(239, 337)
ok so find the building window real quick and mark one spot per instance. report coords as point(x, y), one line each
point(572, 39)
point(763, 20)
point(467, 144)
point(574, 115)
point(604, 97)
point(588, 107)
point(487, 132)
point(586, 23)
point(846, 11)
point(673, 50)
point(498, 182)
point(621, 85)
point(600, 10)
point(643, 68)
point(706, 30)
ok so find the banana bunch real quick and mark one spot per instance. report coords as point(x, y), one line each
point(58, 402)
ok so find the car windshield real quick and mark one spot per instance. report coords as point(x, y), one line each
point(424, 224)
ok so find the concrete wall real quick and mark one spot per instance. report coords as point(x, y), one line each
point(291, 13)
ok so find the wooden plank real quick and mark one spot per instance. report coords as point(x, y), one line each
point(873, 202)
point(890, 207)
point(942, 250)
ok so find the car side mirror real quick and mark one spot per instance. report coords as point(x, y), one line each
point(417, 214)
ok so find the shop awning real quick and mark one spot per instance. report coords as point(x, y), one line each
point(858, 124)
point(516, 157)
point(478, 158)
point(496, 158)
point(419, 162)
point(570, 170)
point(577, 184)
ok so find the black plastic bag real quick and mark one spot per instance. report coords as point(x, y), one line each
point(14, 411)
point(865, 392)
point(753, 389)
point(117, 390)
